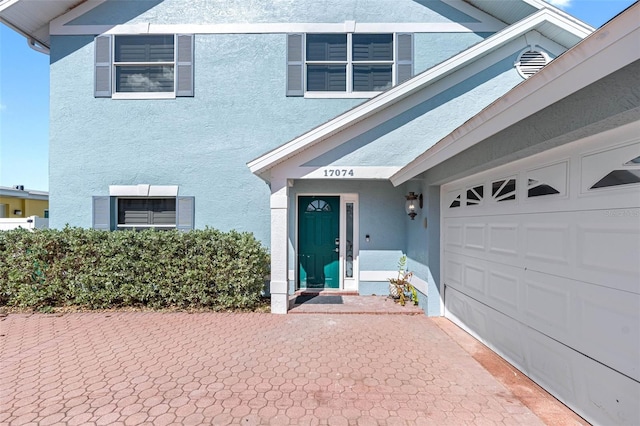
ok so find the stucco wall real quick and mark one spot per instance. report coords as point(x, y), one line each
point(203, 143)
point(278, 11)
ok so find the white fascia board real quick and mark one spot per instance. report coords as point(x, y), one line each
point(276, 28)
point(539, 4)
point(607, 50)
point(396, 94)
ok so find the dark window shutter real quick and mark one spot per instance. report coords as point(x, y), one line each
point(404, 57)
point(184, 65)
point(102, 208)
point(102, 78)
point(295, 65)
point(185, 213)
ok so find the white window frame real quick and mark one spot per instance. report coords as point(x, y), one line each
point(123, 226)
point(349, 63)
point(142, 95)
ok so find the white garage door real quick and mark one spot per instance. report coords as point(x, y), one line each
point(541, 261)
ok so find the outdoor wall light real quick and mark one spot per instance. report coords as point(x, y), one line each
point(17, 212)
point(413, 202)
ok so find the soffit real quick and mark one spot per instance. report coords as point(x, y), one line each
point(31, 17)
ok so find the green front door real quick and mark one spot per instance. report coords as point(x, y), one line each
point(318, 232)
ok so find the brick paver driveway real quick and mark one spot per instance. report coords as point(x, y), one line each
point(163, 368)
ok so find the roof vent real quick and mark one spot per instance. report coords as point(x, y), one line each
point(530, 62)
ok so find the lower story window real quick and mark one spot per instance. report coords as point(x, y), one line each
point(146, 212)
point(120, 212)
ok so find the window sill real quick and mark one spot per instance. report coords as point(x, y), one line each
point(145, 226)
point(141, 95)
point(340, 95)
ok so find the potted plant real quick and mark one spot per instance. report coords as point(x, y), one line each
point(400, 288)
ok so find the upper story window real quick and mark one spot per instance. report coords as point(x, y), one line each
point(349, 65)
point(144, 66)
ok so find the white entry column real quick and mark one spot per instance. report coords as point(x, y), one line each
point(279, 286)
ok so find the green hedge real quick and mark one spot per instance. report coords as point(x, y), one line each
point(98, 269)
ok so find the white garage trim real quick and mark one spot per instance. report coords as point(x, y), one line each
point(550, 278)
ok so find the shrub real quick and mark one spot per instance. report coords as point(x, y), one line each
point(97, 269)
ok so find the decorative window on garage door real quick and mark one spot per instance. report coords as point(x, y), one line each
point(475, 195)
point(456, 202)
point(613, 168)
point(504, 189)
point(628, 174)
point(548, 180)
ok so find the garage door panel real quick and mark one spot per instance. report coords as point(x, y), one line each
point(547, 242)
point(547, 305)
point(551, 363)
point(596, 321)
point(493, 284)
point(474, 239)
point(474, 278)
point(611, 249)
point(453, 272)
point(507, 336)
point(453, 236)
point(503, 290)
point(503, 239)
point(550, 277)
point(615, 395)
point(587, 246)
point(607, 328)
point(576, 380)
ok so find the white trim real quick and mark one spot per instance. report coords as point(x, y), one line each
point(359, 172)
point(122, 225)
point(377, 275)
point(400, 92)
point(352, 283)
point(382, 276)
point(609, 49)
point(143, 95)
point(275, 28)
point(337, 95)
point(143, 190)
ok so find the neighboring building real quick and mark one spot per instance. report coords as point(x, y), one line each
point(17, 202)
point(525, 191)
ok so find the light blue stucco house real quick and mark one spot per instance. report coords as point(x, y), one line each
point(495, 143)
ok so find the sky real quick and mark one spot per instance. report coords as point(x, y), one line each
point(24, 97)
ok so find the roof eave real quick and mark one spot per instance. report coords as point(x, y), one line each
point(274, 157)
point(610, 48)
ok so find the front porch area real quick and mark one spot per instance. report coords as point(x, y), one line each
point(339, 302)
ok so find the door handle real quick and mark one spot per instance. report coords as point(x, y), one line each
point(337, 250)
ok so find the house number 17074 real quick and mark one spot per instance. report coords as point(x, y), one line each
point(338, 172)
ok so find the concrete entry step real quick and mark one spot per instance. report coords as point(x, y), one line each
point(335, 302)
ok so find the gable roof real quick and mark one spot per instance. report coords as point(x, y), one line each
point(607, 50)
point(547, 22)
